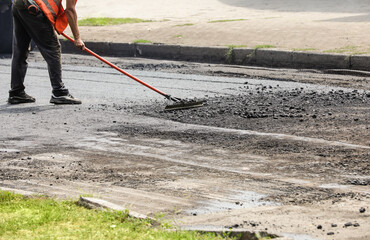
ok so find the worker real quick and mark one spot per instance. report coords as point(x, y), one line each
point(39, 20)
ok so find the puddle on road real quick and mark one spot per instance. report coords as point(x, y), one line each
point(239, 200)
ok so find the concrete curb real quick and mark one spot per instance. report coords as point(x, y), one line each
point(225, 55)
point(95, 203)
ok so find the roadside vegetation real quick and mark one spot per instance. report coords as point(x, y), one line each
point(142, 41)
point(304, 49)
point(353, 50)
point(230, 55)
point(264, 46)
point(109, 21)
point(228, 20)
point(44, 218)
point(185, 25)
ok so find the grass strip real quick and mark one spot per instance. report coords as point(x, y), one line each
point(185, 25)
point(45, 218)
point(264, 46)
point(228, 20)
point(304, 49)
point(109, 21)
point(142, 41)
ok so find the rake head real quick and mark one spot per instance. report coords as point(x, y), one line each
point(180, 104)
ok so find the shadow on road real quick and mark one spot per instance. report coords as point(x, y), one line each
point(359, 18)
point(7, 108)
point(335, 6)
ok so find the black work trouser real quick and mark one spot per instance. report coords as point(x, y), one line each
point(39, 29)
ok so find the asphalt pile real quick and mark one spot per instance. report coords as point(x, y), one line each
point(264, 104)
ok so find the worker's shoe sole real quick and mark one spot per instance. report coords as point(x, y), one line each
point(67, 99)
point(21, 98)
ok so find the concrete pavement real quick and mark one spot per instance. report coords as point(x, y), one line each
point(298, 34)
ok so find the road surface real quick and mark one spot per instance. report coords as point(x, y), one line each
point(278, 156)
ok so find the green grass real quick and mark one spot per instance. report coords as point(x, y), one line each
point(109, 21)
point(185, 25)
point(230, 55)
point(304, 49)
point(236, 46)
point(351, 50)
point(227, 20)
point(264, 46)
point(142, 41)
point(178, 36)
point(345, 49)
point(44, 218)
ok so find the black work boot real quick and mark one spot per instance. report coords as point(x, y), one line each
point(20, 97)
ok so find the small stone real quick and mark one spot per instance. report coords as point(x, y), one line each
point(253, 224)
point(348, 224)
point(330, 233)
point(362, 210)
point(235, 226)
point(334, 225)
point(314, 116)
point(356, 225)
point(29, 158)
point(319, 227)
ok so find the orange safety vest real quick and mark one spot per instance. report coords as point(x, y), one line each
point(54, 11)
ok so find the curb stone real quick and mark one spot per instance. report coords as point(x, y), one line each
point(95, 203)
point(226, 55)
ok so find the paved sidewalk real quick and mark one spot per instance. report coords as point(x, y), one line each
point(312, 25)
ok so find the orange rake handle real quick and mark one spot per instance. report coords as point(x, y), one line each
point(119, 69)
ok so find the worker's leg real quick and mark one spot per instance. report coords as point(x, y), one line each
point(21, 43)
point(43, 34)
